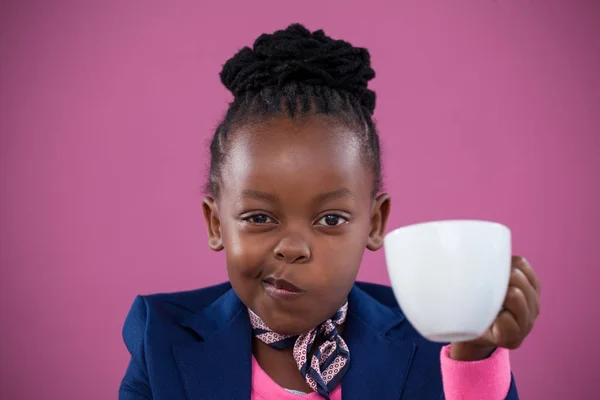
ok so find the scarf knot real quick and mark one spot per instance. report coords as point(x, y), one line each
point(322, 367)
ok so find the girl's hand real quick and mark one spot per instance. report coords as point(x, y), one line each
point(514, 322)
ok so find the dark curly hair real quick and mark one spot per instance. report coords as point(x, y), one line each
point(297, 73)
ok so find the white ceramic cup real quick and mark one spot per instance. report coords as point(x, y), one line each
point(450, 277)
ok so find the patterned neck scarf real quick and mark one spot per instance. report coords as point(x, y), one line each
point(322, 368)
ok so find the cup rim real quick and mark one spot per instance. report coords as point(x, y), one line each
point(443, 222)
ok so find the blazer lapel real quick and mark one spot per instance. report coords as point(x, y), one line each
point(379, 363)
point(214, 360)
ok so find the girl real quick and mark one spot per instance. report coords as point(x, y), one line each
point(295, 179)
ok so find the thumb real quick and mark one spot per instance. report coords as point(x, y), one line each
point(491, 337)
point(495, 333)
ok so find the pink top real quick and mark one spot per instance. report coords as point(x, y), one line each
point(486, 379)
point(265, 388)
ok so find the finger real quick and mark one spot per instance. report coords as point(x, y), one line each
point(523, 265)
point(506, 331)
point(516, 304)
point(519, 279)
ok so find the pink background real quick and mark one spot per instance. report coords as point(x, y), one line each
point(487, 109)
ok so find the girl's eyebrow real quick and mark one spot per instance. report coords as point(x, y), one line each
point(271, 198)
point(335, 194)
point(321, 198)
point(258, 195)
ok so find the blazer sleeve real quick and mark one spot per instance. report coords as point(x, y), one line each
point(135, 385)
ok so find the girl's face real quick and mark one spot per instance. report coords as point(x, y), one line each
point(294, 215)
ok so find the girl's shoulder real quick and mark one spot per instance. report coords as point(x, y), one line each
point(174, 307)
point(382, 293)
point(190, 300)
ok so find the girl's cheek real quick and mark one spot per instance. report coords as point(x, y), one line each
point(245, 255)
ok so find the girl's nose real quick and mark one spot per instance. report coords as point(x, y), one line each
point(293, 249)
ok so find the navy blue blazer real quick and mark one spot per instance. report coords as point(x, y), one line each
point(197, 345)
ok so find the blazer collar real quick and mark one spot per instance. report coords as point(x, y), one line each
point(215, 362)
point(372, 313)
point(215, 318)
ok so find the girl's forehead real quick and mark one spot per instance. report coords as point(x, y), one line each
point(310, 156)
point(296, 146)
point(304, 131)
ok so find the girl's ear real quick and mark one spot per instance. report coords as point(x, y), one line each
point(379, 218)
point(213, 224)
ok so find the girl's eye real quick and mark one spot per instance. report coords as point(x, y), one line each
point(332, 220)
point(259, 219)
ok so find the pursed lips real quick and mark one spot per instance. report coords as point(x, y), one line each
point(281, 289)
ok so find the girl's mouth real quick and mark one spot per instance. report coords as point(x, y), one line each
point(281, 289)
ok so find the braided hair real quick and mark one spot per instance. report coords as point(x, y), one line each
point(296, 73)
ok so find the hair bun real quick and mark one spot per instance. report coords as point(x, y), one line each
point(297, 55)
